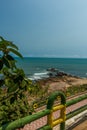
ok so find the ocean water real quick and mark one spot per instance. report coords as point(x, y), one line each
point(35, 68)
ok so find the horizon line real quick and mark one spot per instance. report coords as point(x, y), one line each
point(52, 57)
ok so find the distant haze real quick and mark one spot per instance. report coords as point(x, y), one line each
point(46, 28)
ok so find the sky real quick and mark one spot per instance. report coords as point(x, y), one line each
point(46, 28)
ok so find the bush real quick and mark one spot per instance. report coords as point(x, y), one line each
point(13, 85)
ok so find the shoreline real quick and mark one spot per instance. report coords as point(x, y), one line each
point(61, 82)
point(57, 83)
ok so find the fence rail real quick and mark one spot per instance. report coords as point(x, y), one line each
point(49, 113)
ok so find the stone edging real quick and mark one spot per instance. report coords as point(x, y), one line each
point(74, 121)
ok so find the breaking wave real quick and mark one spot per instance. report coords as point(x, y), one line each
point(37, 76)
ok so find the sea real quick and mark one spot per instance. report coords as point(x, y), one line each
point(36, 68)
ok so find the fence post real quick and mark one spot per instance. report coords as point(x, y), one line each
point(62, 107)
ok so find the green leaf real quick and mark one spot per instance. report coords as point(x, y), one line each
point(8, 43)
point(18, 79)
point(12, 100)
point(6, 62)
point(1, 82)
point(1, 38)
point(12, 88)
point(15, 52)
point(2, 46)
point(23, 83)
point(9, 57)
point(12, 64)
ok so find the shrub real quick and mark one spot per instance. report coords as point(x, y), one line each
point(13, 85)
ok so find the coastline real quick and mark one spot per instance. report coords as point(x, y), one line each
point(61, 82)
point(58, 81)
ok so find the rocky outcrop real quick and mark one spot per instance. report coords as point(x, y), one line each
point(53, 72)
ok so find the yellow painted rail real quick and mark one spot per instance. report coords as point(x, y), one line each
point(61, 120)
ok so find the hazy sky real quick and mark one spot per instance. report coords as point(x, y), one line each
point(46, 28)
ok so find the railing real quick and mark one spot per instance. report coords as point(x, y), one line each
point(49, 113)
point(70, 92)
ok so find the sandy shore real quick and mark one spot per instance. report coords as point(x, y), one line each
point(50, 85)
point(62, 83)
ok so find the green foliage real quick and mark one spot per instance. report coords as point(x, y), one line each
point(7, 47)
point(76, 89)
point(13, 86)
point(13, 106)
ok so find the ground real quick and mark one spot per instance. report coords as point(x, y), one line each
point(82, 126)
point(62, 83)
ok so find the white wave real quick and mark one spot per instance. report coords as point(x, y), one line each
point(37, 76)
point(44, 73)
point(34, 78)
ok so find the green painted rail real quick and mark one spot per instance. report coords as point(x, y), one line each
point(28, 119)
point(74, 101)
point(21, 122)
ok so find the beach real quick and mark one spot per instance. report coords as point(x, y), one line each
point(62, 83)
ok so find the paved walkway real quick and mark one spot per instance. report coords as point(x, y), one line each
point(42, 121)
point(82, 126)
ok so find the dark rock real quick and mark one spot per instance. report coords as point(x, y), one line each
point(53, 72)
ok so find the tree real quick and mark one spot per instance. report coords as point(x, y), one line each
point(13, 84)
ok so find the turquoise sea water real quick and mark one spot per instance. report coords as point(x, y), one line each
point(36, 67)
